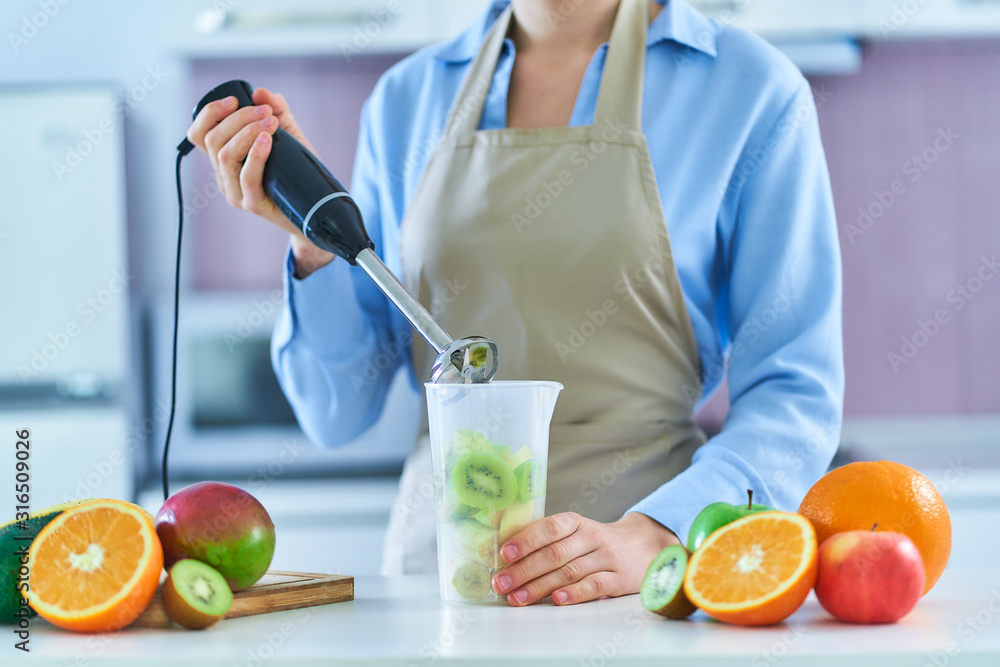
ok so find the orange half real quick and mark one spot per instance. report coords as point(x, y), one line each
point(756, 570)
point(95, 567)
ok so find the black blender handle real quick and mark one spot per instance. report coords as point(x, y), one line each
point(302, 187)
point(237, 88)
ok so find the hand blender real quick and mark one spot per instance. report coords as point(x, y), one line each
point(309, 195)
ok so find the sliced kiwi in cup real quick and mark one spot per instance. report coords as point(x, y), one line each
point(530, 477)
point(662, 589)
point(484, 480)
point(196, 595)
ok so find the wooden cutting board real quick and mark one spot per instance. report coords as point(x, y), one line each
point(276, 591)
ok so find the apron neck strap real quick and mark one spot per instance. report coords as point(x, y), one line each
point(620, 96)
point(468, 106)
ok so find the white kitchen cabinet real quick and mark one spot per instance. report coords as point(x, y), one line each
point(798, 20)
point(64, 274)
point(65, 282)
point(811, 33)
point(349, 28)
point(358, 27)
point(786, 19)
point(936, 19)
point(73, 453)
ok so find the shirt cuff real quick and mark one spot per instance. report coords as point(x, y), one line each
point(715, 478)
point(323, 307)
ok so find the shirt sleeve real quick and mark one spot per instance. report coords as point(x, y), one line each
point(331, 347)
point(781, 311)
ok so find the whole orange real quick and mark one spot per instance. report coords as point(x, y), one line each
point(893, 496)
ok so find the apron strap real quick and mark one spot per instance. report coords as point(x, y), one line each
point(620, 96)
point(468, 106)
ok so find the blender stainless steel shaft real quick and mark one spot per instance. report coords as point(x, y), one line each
point(472, 359)
point(421, 320)
point(309, 195)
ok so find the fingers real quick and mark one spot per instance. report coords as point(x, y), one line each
point(553, 579)
point(277, 102)
point(251, 184)
point(595, 585)
point(574, 559)
point(552, 552)
point(238, 142)
point(562, 555)
point(251, 176)
point(229, 127)
point(540, 534)
point(231, 157)
point(208, 118)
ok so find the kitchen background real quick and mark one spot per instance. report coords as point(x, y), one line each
point(96, 96)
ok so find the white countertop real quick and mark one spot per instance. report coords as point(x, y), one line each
point(401, 621)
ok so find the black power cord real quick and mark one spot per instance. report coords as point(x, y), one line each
point(183, 149)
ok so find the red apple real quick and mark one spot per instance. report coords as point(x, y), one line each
point(869, 576)
point(221, 525)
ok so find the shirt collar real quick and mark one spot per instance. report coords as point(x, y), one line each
point(677, 22)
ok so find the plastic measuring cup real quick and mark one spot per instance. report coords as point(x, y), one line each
point(489, 451)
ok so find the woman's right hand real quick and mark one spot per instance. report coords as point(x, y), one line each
point(238, 142)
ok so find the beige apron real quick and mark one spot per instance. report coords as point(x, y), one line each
point(552, 242)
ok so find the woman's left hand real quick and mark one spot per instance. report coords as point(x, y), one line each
point(575, 559)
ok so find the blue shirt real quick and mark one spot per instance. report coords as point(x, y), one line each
point(731, 126)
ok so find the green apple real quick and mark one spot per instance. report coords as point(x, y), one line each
point(717, 515)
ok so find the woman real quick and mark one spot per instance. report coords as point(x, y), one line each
point(625, 196)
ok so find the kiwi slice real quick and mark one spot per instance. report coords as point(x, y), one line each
point(489, 519)
point(472, 441)
point(530, 477)
point(195, 594)
point(463, 511)
point(483, 480)
point(471, 581)
point(662, 589)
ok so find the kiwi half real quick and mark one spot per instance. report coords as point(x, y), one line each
point(662, 589)
point(195, 594)
point(484, 480)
